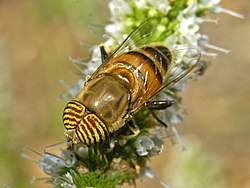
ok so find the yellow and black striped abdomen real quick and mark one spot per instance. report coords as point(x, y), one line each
point(147, 65)
point(87, 127)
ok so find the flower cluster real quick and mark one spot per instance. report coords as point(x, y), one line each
point(177, 28)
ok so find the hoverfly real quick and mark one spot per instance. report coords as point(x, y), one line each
point(122, 85)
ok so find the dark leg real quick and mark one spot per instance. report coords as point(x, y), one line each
point(158, 119)
point(159, 105)
point(104, 54)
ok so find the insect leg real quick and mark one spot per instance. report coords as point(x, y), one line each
point(157, 119)
point(56, 144)
point(104, 54)
point(159, 105)
point(134, 127)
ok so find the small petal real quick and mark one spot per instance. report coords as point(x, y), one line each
point(149, 173)
point(177, 136)
point(143, 144)
point(219, 9)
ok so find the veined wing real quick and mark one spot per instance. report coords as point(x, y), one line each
point(184, 61)
point(140, 36)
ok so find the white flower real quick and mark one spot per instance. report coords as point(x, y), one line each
point(118, 8)
point(141, 4)
point(209, 3)
point(69, 183)
point(164, 7)
point(94, 62)
point(114, 28)
point(150, 174)
point(53, 164)
point(146, 145)
point(143, 144)
point(161, 5)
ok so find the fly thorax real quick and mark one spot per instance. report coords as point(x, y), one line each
point(108, 99)
point(131, 79)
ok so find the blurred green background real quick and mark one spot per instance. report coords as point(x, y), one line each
point(38, 37)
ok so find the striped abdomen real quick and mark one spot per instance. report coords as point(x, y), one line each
point(142, 71)
point(153, 63)
point(88, 128)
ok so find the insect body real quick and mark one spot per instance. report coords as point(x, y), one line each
point(124, 83)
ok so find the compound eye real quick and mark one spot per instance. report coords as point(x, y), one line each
point(72, 114)
point(92, 130)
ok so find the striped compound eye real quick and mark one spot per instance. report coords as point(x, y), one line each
point(73, 114)
point(88, 128)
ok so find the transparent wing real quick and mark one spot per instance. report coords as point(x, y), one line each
point(184, 62)
point(141, 35)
